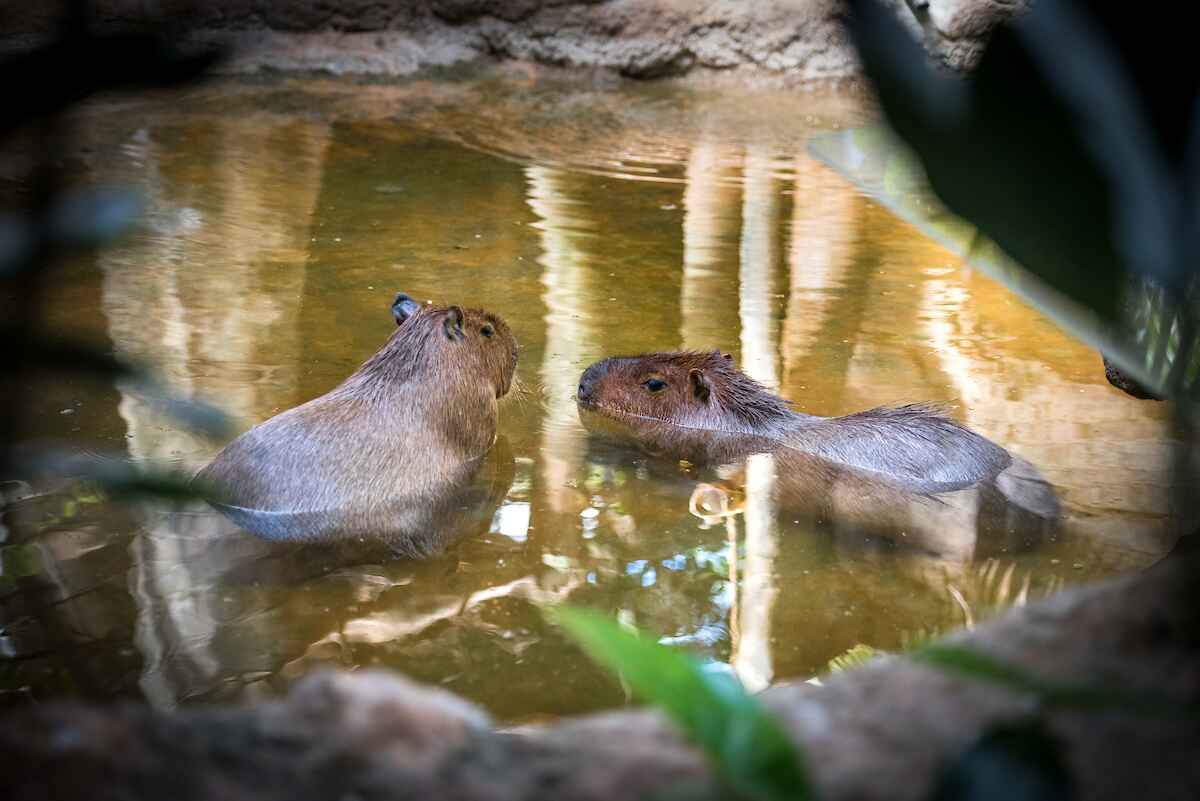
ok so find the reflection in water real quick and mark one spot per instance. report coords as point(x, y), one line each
point(564, 278)
point(760, 347)
point(758, 256)
point(824, 217)
point(274, 242)
point(228, 335)
point(710, 225)
point(1037, 422)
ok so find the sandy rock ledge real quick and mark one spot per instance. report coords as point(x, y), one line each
point(800, 40)
point(881, 732)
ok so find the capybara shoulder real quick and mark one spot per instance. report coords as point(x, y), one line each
point(414, 419)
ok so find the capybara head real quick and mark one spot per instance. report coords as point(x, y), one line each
point(689, 389)
point(447, 343)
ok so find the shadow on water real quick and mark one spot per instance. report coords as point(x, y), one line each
point(283, 216)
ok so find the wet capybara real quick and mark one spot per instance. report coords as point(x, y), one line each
point(395, 440)
point(900, 467)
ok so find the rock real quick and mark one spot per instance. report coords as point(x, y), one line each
point(956, 31)
point(887, 730)
point(798, 39)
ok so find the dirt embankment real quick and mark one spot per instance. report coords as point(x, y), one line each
point(793, 40)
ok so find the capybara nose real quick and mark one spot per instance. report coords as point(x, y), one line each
point(588, 381)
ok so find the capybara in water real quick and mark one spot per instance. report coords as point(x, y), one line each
point(864, 466)
point(374, 455)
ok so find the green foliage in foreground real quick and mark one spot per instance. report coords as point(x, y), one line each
point(858, 655)
point(757, 760)
point(974, 664)
point(1081, 169)
point(62, 220)
point(747, 745)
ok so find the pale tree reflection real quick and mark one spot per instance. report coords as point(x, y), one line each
point(1044, 420)
point(823, 227)
point(757, 257)
point(568, 330)
point(711, 221)
point(210, 295)
point(751, 653)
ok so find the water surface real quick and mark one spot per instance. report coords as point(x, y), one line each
point(597, 218)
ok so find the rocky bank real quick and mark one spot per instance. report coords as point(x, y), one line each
point(792, 40)
point(884, 731)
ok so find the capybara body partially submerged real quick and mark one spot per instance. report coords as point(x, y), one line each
point(902, 468)
point(381, 452)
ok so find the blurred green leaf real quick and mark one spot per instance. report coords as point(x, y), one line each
point(52, 353)
point(116, 475)
point(47, 353)
point(70, 69)
point(87, 218)
point(857, 656)
point(1145, 343)
point(195, 414)
point(976, 665)
point(1015, 762)
point(17, 244)
point(1074, 161)
point(20, 560)
point(1055, 166)
point(975, 138)
point(79, 219)
point(748, 746)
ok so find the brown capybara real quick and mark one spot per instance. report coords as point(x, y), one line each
point(864, 466)
point(393, 441)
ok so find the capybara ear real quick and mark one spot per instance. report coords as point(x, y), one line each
point(454, 323)
point(728, 356)
point(404, 307)
point(699, 384)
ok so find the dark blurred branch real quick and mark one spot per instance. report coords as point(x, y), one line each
point(39, 87)
point(52, 78)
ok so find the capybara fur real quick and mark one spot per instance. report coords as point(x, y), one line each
point(887, 465)
point(393, 440)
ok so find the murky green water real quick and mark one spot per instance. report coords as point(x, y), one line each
point(597, 219)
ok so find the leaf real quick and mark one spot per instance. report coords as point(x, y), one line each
point(857, 656)
point(79, 219)
point(1013, 762)
point(886, 169)
point(64, 355)
point(1080, 164)
point(197, 415)
point(72, 68)
point(52, 353)
point(1054, 157)
point(47, 353)
point(17, 244)
point(116, 475)
point(87, 218)
point(748, 746)
point(977, 665)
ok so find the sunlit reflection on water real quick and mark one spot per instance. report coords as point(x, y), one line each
point(640, 220)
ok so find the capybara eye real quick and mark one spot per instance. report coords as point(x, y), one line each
point(487, 330)
point(654, 384)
